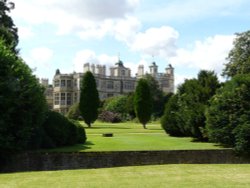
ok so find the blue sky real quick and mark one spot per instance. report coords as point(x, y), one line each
point(189, 34)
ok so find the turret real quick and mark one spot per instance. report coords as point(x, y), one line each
point(140, 71)
point(153, 68)
point(170, 70)
point(86, 67)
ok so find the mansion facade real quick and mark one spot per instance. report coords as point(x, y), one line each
point(66, 87)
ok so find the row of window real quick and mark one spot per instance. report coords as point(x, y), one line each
point(109, 84)
point(125, 85)
point(64, 98)
point(64, 83)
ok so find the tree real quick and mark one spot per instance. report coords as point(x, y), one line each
point(8, 30)
point(228, 117)
point(143, 102)
point(89, 99)
point(185, 112)
point(209, 83)
point(239, 57)
point(22, 103)
point(157, 96)
point(170, 120)
point(116, 104)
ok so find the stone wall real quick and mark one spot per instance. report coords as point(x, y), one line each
point(61, 161)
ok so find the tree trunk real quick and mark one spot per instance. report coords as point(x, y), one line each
point(89, 125)
point(144, 126)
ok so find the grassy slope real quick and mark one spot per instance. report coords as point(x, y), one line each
point(131, 136)
point(143, 176)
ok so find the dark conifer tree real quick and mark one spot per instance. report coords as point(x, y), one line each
point(89, 99)
point(143, 102)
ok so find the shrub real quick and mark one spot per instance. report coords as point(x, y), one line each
point(60, 130)
point(242, 138)
point(169, 121)
point(81, 134)
point(108, 116)
point(74, 112)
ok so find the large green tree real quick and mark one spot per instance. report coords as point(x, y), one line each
point(143, 102)
point(239, 57)
point(228, 117)
point(89, 99)
point(22, 103)
point(8, 30)
point(185, 112)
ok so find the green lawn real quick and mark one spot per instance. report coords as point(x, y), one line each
point(142, 176)
point(131, 136)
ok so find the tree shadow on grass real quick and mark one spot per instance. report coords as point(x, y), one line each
point(81, 147)
point(108, 127)
point(74, 148)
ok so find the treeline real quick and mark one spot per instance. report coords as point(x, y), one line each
point(207, 110)
point(25, 121)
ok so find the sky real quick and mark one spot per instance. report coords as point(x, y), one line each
point(191, 35)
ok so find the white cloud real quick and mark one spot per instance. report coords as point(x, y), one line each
point(86, 17)
point(191, 10)
point(89, 56)
point(209, 54)
point(156, 41)
point(25, 33)
point(126, 30)
point(39, 60)
point(41, 55)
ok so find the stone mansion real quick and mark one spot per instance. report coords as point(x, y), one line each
point(66, 87)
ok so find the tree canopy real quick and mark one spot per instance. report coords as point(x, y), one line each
point(239, 57)
point(185, 111)
point(89, 99)
point(228, 117)
point(22, 102)
point(8, 30)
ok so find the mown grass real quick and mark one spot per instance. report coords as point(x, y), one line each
point(131, 136)
point(182, 175)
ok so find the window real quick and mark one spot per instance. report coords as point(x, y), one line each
point(123, 72)
point(69, 99)
point(75, 97)
point(97, 83)
point(57, 98)
point(63, 84)
point(63, 98)
point(75, 83)
point(165, 83)
point(110, 95)
point(129, 85)
point(110, 84)
point(69, 83)
point(56, 83)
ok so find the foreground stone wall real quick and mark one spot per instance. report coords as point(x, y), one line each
point(62, 161)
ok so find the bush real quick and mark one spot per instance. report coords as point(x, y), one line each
point(81, 134)
point(108, 116)
point(169, 121)
point(60, 131)
point(74, 112)
point(242, 138)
